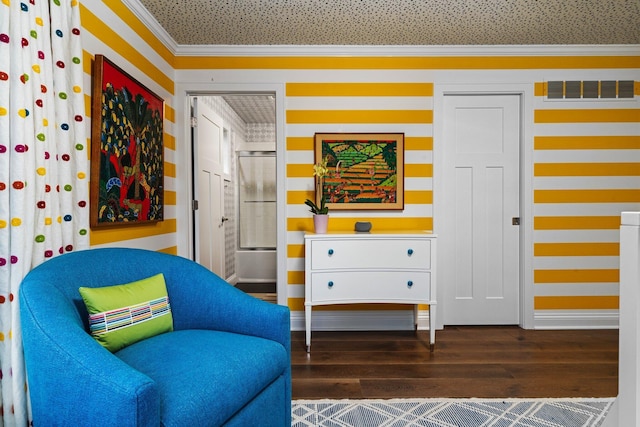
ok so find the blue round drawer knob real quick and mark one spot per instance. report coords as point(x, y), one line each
point(330, 284)
point(330, 251)
point(410, 252)
point(410, 283)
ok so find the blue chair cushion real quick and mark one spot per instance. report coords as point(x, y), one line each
point(238, 368)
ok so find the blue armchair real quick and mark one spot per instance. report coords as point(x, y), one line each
point(227, 361)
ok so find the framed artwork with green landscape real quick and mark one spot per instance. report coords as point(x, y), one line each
point(365, 170)
point(127, 169)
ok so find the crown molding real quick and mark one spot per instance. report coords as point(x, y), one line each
point(152, 24)
point(417, 51)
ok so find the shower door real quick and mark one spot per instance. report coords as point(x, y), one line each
point(256, 216)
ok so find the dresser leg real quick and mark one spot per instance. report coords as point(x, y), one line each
point(432, 326)
point(307, 325)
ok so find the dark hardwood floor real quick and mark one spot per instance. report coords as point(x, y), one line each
point(470, 361)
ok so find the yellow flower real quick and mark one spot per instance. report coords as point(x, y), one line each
point(320, 169)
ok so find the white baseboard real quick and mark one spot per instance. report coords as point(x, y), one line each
point(576, 319)
point(344, 320)
point(233, 279)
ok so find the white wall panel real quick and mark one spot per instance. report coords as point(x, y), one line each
point(576, 236)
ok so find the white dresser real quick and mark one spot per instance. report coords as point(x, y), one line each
point(378, 267)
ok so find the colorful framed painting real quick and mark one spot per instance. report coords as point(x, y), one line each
point(366, 170)
point(127, 169)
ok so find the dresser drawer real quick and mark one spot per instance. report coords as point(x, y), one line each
point(371, 253)
point(367, 286)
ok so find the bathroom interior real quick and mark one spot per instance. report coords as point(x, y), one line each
point(249, 191)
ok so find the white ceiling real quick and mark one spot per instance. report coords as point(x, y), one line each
point(253, 108)
point(398, 22)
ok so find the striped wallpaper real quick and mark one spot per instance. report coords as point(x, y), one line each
point(585, 153)
point(355, 107)
point(586, 171)
point(111, 29)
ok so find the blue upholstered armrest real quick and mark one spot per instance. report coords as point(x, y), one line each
point(81, 382)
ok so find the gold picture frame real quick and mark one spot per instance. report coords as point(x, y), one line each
point(366, 170)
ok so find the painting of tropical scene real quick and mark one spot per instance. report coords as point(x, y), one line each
point(129, 161)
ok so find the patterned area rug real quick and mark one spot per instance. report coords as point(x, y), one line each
point(451, 413)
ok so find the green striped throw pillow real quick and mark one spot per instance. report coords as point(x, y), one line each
point(125, 314)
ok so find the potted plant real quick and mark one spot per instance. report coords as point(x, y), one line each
point(320, 213)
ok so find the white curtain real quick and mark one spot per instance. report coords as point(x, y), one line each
point(43, 164)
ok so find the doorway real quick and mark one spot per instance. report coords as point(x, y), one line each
point(224, 126)
point(479, 238)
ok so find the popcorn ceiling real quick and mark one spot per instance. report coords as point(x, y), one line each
point(398, 22)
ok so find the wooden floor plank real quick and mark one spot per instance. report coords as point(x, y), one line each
point(486, 361)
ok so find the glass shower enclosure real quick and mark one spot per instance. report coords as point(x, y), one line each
point(256, 256)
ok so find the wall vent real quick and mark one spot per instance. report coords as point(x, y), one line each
point(591, 89)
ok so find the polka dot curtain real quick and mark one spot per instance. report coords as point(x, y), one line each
point(43, 163)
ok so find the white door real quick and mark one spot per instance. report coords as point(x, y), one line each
point(209, 217)
point(479, 241)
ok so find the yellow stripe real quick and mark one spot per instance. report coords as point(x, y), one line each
point(636, 87)
point(586, 196)
point(305, 143)
point(586, 169)
point(540, 89)
point(576, 276)
point(170, 169)
point(169, 141)
point(87, 105)
point(420, 170)
point(295, 304)
point(92, 24)
point(173, 250)
point(576, 223)
point(100, 236)
point(140, 29)
point(418, 197)
point(358, 116)
point(576, 303)
point(359, 89)
point(587, 116)
point(169, 113)
point(299, 170)
point(403, 63)
point(170, 198)
point(418, 143)
point(586, 142)
point(295, 277)
point(295, 251)
point(87, 64)
point(343, 223)
point(298, 197)
point(300, 143)
point(576, 249)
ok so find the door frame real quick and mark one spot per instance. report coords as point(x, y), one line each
point(185, 193)
point(526, 93)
